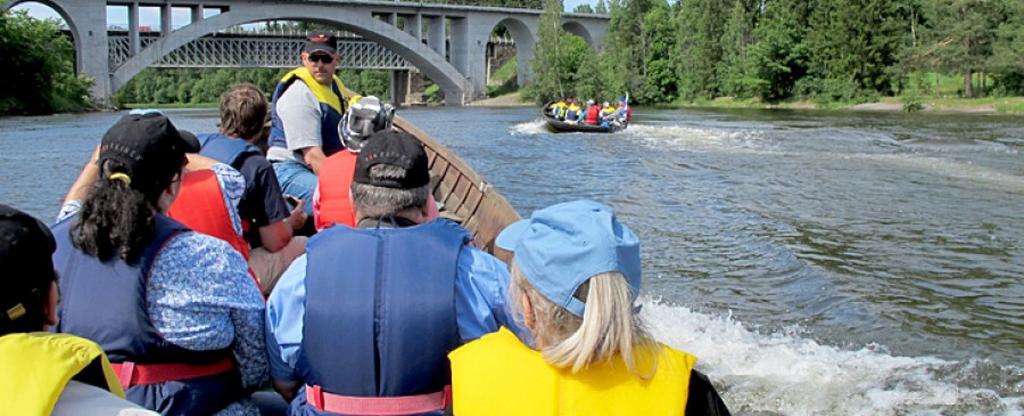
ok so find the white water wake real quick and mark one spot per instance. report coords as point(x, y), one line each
point(787, 374)
point(529, 128)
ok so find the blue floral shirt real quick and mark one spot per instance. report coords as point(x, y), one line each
point(200, 296)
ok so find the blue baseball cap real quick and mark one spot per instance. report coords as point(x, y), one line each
point(562, 246)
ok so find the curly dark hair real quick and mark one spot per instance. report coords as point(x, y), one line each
point(117, 218)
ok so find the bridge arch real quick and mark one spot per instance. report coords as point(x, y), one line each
point(456, 87)
point(524, 39)
point(578, 29)
point(76, 36)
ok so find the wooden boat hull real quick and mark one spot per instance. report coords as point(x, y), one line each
point(466, 196)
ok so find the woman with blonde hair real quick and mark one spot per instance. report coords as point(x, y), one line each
point(575, 276)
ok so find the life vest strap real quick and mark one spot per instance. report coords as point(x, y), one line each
point(397, 405)
point(133, 374)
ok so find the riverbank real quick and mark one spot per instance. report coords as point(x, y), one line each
point(987, 105)
point(130, 106)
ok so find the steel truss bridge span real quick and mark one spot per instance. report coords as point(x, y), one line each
point(256, 52)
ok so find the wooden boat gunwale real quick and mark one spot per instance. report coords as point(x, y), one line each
point(465, 194)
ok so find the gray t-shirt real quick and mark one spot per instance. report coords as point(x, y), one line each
point(300, 116)
point(80, 399)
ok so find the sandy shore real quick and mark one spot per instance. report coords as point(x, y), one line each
point(508, 100)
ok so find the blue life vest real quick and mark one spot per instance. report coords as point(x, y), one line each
point(230, 150)
point(105, 301)
point(331, 111)
point(380, 310)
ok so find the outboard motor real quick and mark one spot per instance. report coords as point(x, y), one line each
point(364, 117)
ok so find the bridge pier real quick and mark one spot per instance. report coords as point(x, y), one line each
point(197, 13)
point(400, 87)
point(166, 20)
point(134, 43)
point(436, 37)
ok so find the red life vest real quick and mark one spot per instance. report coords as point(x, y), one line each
point(334, 205)
point(200, 206)
point(593, 115)
point(335, 183)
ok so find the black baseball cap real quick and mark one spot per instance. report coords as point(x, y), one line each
point(147, 144)
point(321, 42)
point(26, 250)
point(395, 148)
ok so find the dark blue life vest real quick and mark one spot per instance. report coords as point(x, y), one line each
point(380, 310)
point(230, 150)
point(330, 118)
point(105, 301)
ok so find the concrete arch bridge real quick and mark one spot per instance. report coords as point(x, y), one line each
point(447, 43)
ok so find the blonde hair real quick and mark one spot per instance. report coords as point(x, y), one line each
point(609, 328)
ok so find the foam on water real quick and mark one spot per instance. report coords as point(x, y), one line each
point(788, 374)
point(702, 139)
point(946, 167)
point(755, 142)
point(529, 128)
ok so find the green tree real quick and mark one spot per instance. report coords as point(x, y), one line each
point(854, 47)
point(583, 8)
point(39, 61)
point(627, 48)
point(659, 75)
point(959, 36)
point(700, 24)
point(1007, 60)
point(737, 75)
point(601, 7)
point(547, 81)
point(779, 54)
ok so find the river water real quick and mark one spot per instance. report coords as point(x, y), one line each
point(817, 263)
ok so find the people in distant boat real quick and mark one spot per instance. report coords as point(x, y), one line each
point(622, 113)
point(592, 116)
point(572, 112)
point(307, 113)
point(267, 224)
point(365, 320)
point(557, 109)
point(606, 114)
point(575, 277)
point(175, 310)
point(331, 202)
point(43, 373)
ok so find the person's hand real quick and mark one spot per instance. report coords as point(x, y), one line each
point(298, 216)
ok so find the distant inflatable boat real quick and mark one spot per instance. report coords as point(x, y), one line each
point(559, 126)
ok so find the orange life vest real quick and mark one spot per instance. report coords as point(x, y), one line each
point(593, 115)
point(200, 207)
point(335, 184)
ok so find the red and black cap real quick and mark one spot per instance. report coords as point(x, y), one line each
point(321, 42)
point(395, 148)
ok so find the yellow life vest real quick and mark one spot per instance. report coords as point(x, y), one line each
point(35, 368)
point(607, 110)
point(324, 94)
point(498, 375)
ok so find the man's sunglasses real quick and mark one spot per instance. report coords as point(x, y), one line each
point(321, 57)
